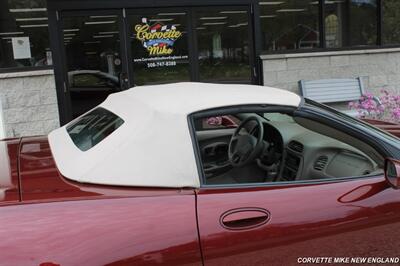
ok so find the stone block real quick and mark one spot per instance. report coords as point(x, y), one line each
point(15, 115)
point(298, 63)
point(380, 58)
point(308, 74)
point(28, 129)
point(287, 76)
point(50, 125)
point(38, 82)
point(318, 62)
point(270, 78)
point(23, 98)
point(370, 69)
point(274, 65)
point(4, 101)
point(11, 84)
point(283, 86)
point(339, 72)
point(393, 79)
point(294, 87)
point(48, 96)
point(48, 112)
point(359, 59)
point(339, 60)
point(378, 81)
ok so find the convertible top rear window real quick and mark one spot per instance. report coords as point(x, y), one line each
point(92, 128)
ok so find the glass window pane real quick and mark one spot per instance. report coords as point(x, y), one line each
point(391, 22)
point(159, 44)
point(350, 23)
point(94, 61)
point(24, 37)
point(93, 127)
point(334, 19)
point(363, 22)
point(289, 25)
point(223, 43)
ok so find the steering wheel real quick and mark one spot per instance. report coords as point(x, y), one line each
point(244, 149)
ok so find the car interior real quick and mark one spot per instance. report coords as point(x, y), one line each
point(278, 147)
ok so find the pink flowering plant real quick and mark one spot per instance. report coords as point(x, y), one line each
point(386, 106)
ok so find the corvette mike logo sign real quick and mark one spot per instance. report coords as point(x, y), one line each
point(157, 38)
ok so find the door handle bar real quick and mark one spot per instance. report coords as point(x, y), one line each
point(244, 218)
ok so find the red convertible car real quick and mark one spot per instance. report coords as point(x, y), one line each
point(144, 179)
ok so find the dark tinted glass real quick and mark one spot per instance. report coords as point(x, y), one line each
point(336, 18)
point(391, 22)
point(350, 23)
point(363, 22)
point(289, 25)
point(92, 128)
point(24, 38)
point(224, 47)
point(93, 59)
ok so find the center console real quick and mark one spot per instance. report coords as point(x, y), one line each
point(292, 161)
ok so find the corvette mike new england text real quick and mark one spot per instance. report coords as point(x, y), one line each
point(348, 260)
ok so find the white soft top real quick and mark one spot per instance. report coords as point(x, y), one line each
point(153, 147)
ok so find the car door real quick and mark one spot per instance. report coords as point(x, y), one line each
point(279, 225)
point(346, 220)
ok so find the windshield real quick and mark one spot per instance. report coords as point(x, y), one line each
point(278, 117)
point(359, 124)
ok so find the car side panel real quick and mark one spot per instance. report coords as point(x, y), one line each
point(149, 230)
point(9, 182)
point(355, 218)
point(42, 182)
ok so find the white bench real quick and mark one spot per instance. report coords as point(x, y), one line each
point(334, 91)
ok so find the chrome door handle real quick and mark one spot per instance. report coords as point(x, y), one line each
point(244, 218)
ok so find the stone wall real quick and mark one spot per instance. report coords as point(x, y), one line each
point(378, 68)
point(29, 103)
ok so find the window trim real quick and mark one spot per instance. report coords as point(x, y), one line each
point(25, 69)
point(295, 183)
point(266, 108)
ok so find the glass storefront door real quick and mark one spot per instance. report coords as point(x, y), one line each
point(159, 46)
point(198, 44)
point(112, 50)
point(95, 64)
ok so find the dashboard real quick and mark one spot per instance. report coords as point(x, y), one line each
point(302, 154)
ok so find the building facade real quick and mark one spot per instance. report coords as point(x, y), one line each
point(59, 58)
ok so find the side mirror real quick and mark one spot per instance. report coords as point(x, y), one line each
point(392, 172)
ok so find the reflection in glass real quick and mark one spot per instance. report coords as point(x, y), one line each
point(92, 48)
point(391, 22)
point(24, 37)
point(223, 44)
point(363, 22)
point(336, 17)
point(350, 23)
point(92, 128)
point(159, 44)
point(289, 25)
point(332, 31)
